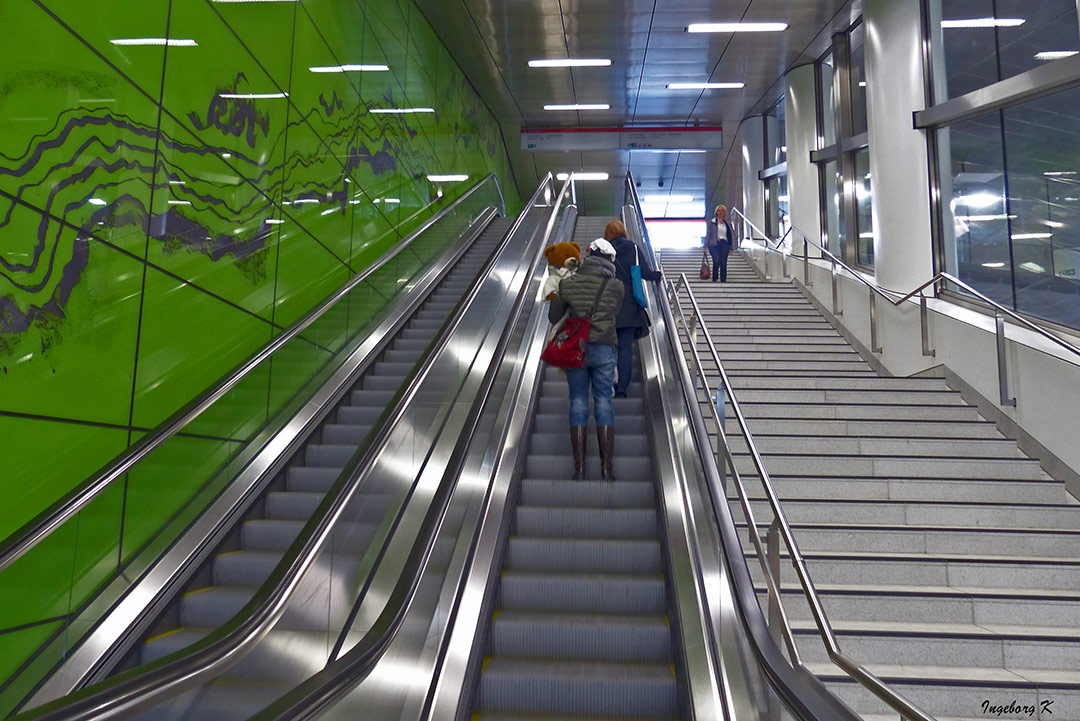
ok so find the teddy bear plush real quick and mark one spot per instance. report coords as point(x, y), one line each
point(563, 259)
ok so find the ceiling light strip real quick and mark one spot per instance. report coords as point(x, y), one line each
point(983, 23)
point(170, 42)
point(579, 106)
point(400, 111)
point(571, 63)
point(349, 68)
point(736, 27)
point(252, 96)
point(705, 86)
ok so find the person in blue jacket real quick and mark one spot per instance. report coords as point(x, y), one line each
point(718, 239)
point(632, 321)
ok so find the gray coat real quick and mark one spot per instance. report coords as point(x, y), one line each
point(578, 293)
point(714, 236)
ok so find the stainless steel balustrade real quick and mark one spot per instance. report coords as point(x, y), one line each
point(897, 299)
point(799, 690)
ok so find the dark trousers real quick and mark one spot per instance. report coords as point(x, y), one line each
point(719, 255)
point(625, 362)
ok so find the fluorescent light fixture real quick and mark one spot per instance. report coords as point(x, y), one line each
point(579, 106)
point(583, 176)
point(355, 202)
point(274, 221)
point(349, 68)
point(862, 83)
point(300, 201)
point(178, 202)
point(328, 212)
point(1054, 223)
point(447, 178)
point(866, 235)
point(401, 111)
point(782, 198)
point(170, 42)
point(983, 23)
point(1058, 173)
point(1033, 267)
point(252, 96)
point(1055, 54)
point(668, 199)
point(736, 27)
point(391, 200)
point(978, 200)
point(1031, 236)
point(977, 218)
point(226, 155)
point(177, 182)
point(705, 86)
point(571, 63)
point(679, 151)
point(993, 265)
point(97, 201)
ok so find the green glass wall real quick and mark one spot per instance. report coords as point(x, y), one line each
point(180, 180)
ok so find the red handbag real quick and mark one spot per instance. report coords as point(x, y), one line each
point(567, 347)
point(705, 272)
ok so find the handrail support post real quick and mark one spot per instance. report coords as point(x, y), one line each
point(924, 326)
point(776, 615)
point(836, 309)
point(806, 264)
point(874, 347)
point(1003, 372)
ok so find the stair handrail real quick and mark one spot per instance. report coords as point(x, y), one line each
point(172, 674)
point(768, 655)
point(52, 518)
point(897, 298)
point(780, 526)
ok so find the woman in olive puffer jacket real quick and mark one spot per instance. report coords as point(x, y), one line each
point(578, 293)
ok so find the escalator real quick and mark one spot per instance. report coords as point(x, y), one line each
point(581, 622)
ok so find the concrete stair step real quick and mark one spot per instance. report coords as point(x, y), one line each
point(855, 446)
point(854, 397)
point(848, 411)
point(862, 428)
point(1021, 469)
point(837, 383)
point(913, 489)
point(982, 515)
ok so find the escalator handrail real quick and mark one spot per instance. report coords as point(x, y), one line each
point(136, 689)
point(327, 686)
point(52, 518)
point(799, 689)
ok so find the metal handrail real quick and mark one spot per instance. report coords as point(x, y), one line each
point(772, 661)
point(224, 646)
point(781, 526)
point(896, 298)
point(36, 530)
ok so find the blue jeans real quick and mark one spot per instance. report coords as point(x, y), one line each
point(627, 336)
point(599, 371)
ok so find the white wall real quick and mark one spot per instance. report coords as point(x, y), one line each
point(753, 195)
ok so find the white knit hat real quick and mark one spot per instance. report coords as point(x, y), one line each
point(603, 247)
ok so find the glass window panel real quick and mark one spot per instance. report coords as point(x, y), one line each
point(827, 131)
point(858, 80)
point(775, 134)
point(978, 56)
point(1042, 155)
point(975, 226)
point(831, 181)
point(863, 217)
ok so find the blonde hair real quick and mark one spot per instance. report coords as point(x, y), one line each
point(614, 229)
point(719, 208)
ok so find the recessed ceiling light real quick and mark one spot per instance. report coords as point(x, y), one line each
point(178, 202)
point(391, 200)
point(978, 200)
point(668, 198)
point(447, 178)
point(252, 96)
point(983, 23)
point(348, 68)
point(993, 265)
point(580, 106)
point(400, 111)
point(1055, 54)
point(1033, 267)
point(171, 42)
point(1031, 236)
point(705, 86)
point(736, 27)
point(1053, 223)
point(1056, 173)
point(274, 221)
point(583, 176)
point(571, 63)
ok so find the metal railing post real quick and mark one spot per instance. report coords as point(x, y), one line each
point(924, 323)
point(787, 272)
point(806, 263)
point(835, 292)
point(1003, 372)
point(874, 347)
point(776, 614)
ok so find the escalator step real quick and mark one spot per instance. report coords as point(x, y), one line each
point(358, 415)
point(369, 398)
point(551, 636)
point(244, 568)
point(556, 555)
point(381, 383)
point(588, 494)
point(292, 506)
point(556, 522)
point(269, 535)
point(582, 593)
point(626, 444)
point(397, 369)
point(306, 478)
point(560, 404)
point(624, 690)
point(559, 423)
point(352, 434)
point(322, 455)
point(404, 356)
point(561, 467)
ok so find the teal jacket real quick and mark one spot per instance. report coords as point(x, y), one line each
point(578, 292)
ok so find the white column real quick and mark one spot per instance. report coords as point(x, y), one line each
point(801, 119)
point(753, 195)
point(903, 255)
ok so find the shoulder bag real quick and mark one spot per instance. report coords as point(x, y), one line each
point(567, 347)
point(705, 272)
point(635, 281)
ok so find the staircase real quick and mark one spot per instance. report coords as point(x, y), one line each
point(580, 628)
point(948, 562)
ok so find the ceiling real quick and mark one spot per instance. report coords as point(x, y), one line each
point(493, 40)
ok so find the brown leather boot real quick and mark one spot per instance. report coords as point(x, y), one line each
point(577, 443)
point(605, 437)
